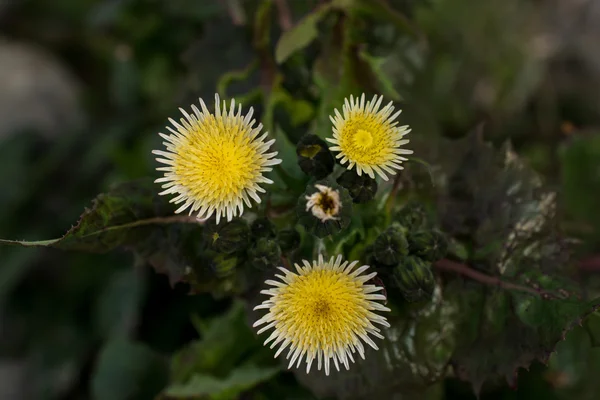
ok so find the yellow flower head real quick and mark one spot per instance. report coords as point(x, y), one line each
point(368, 138)
point(215, 162)
point(322, 312)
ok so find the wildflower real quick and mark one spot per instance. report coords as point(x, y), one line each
point(324, 204)
point(322, 312)
point(215, 162)
point(368, 138)
point(325, 208)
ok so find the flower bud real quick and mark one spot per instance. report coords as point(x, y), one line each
point(390, 246)
point(361, 188)
point(314, 157)
point(262, 227)
point(414, 278)
point(325, 208)
point(412, 216)
point(289, 240)
point(227, 237)
point(223, 265)
point(265, 254)
point(428, 245)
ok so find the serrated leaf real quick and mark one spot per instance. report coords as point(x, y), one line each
point(502, 332)
point(228, 388)
point(301, 35)
point(128, 371)
point(496, 202)
point(117, 218)
point(573, 369)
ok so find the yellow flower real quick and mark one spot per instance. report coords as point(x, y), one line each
point(322, 312)
point(368, 138)
point(215, 162)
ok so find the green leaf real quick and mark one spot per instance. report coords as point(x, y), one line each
point(128, 371)
point(232, 76)
point(118, 307)
point(300, 35)
point(573, 369)
point(384, 12)
point(501, 332)
point(495, 202)
point(376, 69)
point(226, 342)
point(580, 175)
point(117, 218)
point(228, 388)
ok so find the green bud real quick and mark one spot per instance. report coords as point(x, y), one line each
point(262, 227)
point(390, 246)
point(223, 265)
point(429, 245)
point(266, 254)
point(314, 157)
point(362, 188)
point(289, 240)
point(227, 237)
point(325, 208)
point(412, 216)
point(414, 278)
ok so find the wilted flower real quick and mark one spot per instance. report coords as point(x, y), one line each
point(368, 138)
point(324, 204)
point(322, 312)
point(215, 162)
point(325, 208)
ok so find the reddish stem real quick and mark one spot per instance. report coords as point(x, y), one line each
point(452, 266)
point(590, 264)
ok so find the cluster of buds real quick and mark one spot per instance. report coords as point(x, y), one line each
point(407, 249)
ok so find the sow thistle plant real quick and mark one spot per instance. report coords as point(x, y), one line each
point(341, 254)
point(325, 311)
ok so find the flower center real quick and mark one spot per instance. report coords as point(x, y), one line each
point(322, 308)
point(366, 139)
point(363, 138)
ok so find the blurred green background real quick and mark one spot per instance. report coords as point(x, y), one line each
point(85, 85)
